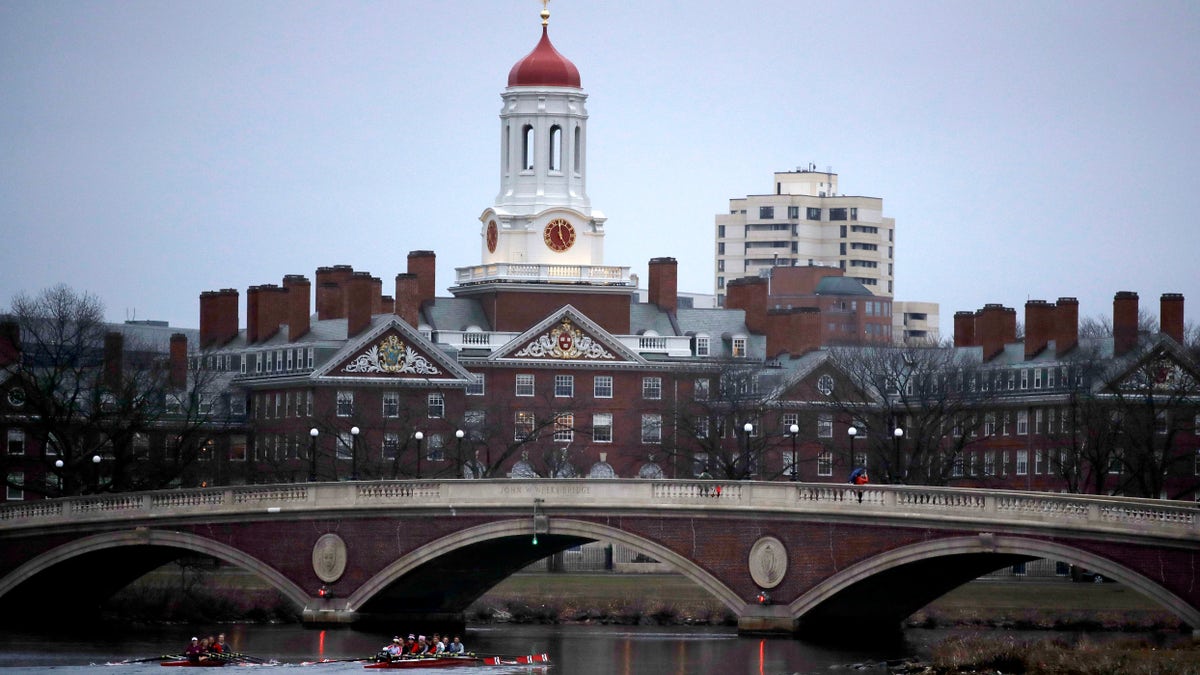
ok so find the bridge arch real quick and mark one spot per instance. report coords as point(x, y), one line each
point(569, 530)
point(830, 599)
point(142, 537)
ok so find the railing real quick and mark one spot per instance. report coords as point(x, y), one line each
point(605, 274)
point(878, 503)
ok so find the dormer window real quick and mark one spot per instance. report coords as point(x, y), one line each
point(702, 345)
point(738, 347)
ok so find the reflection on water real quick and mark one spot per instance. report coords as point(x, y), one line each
point(622, 650)
point(591, 650)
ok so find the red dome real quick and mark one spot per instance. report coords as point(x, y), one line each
point(544, 67)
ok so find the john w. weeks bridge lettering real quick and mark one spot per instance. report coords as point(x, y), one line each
point(424, 550)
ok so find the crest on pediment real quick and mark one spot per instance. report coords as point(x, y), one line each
point(567, 335)
point(393, 350)
point(565, 341)
point(391, 356)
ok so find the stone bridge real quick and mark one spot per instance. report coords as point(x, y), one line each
point(424, 550)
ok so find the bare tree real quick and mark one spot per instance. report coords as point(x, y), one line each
point(936, 396)
point(93, 401)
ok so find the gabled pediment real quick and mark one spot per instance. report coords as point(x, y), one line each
point(567, 335)
point(1163, 367)
point(393, 351)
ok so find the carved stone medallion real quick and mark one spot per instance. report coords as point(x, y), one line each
point(329, 558)
point(767, 562)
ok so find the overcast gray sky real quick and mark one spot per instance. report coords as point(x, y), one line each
point(153, 150)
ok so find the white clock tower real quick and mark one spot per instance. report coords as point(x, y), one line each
point(542, 226)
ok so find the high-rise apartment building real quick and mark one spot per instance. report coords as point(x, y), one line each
point(806, 221)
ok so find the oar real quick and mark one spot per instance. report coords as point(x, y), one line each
point(240, 656)
point(164, 657)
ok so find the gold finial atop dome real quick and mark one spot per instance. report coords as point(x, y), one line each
point(545, 12)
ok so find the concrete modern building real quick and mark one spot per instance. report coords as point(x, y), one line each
point(806, 221)
point(916, 322)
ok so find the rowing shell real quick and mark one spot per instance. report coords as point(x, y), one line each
point(441, 661)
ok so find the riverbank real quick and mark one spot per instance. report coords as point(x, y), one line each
point(670, 599)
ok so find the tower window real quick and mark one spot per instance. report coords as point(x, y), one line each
point(576, 158)
point(527, 149)
point(556, 148)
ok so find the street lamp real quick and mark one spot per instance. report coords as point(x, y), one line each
point(95, 473)
point(897, 434)
point(793, 431)
point(747, 427)
point(420, 437)
point(852, 432)
point(354, 431)
point(458, 435)
point(312, 454)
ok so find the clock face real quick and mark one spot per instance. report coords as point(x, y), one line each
point(559, 235)
point(16, 397)
point(492, 234)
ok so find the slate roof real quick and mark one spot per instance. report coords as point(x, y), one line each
point(455, 314)
point(840, 286)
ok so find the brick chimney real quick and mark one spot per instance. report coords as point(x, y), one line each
point(377, 296)
point(996, 326)
point(10, 343)
point(1170, 315)
point(114, 359)
point(795, 331)
point(749, 294)
point(358, 303)
point(218, 317)
point(299, 291)
point(1066, 325)
point(1125, 322)
point(271, 310)
point(331, 291)
point(424, 265)
point(664, 284)
point(407, 304)
point(964, 329)
point(1039, 323)
point(387, 304)
point(179, 361)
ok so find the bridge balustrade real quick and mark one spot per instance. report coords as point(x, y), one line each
point(1172, 519)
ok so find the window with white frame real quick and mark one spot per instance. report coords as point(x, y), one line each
point(957, 467)
point(436, 404)
point(702, 345)
point(702, 427)
point(1022, 462)
point(825, 463)
point(564, 386)
point(824, 426)
point(391, 404)
point(602, 427)
point(345, 403)
point(309, 405)
point(345, 445)
point(524, 385)
point(391, 445)
point(1038, 458)
point(786, 420)
point(738, 347)
point(475, 387)
point(1037, 378)
point(237, 448)
point(435, 450)
point(652, 388)
point(310, 358)
point(473, 423)
point(523, 425)
point(564, 428)
point(989, 424)
point(652, 428)
point(702, 389)
point(1116, 462)
point(15, 491)
point(1024, 378)
point(1022, 422)
point(989, 463)
point(16, 442)
point(699, 463)
point(1039, 421)
point(602, 386)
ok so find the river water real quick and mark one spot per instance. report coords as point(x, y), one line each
point(599, 650)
